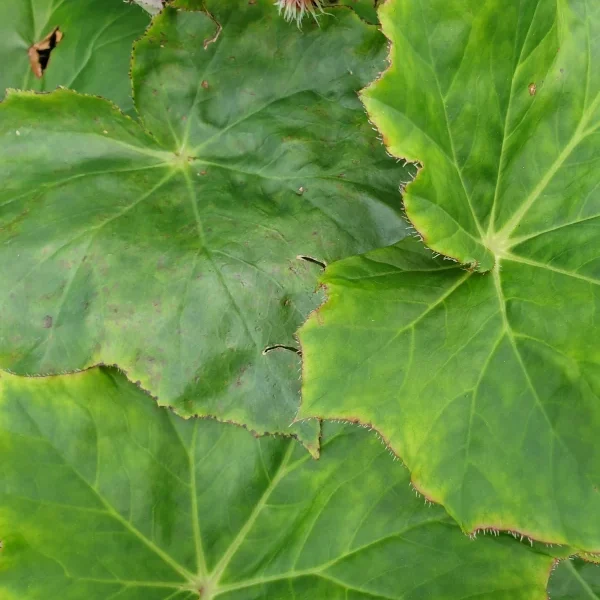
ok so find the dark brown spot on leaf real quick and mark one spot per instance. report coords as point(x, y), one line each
point(39, 53)
point(313, 260)
point(47, 322)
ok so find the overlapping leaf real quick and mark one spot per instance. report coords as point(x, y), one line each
point(575, 579)
point(92, 57)
point(104, 495)
point(486, 383)
point(175, 256)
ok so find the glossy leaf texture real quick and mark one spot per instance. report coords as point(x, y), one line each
point(575, 579)
point(182, 255)
point(486, 384)
point(92, 57)
point(105, 495)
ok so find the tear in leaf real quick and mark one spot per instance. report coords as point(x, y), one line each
point(39, 53)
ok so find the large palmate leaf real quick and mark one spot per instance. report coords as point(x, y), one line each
point(487, 384)
point(176, 256)
point(575, 579)
point(104, 495)
point(93, 55)
point(503, 113)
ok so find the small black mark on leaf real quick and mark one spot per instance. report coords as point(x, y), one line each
point(282, 347)
point(47, 322)
point(39, 53)
point(322, 264)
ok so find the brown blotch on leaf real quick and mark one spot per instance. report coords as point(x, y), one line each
point(532, 89)
point(205, 84)
point(39, 53)
point(47, 322)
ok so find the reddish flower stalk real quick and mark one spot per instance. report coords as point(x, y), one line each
point(294, 10)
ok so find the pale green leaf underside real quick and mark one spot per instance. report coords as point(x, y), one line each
point(175, 256)
point(365, 9)
point(93, 56)
point(152, 6)
point(103, 495)
point(488, 384)
point(575, 579)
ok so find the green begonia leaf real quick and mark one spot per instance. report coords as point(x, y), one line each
point(494, 411)
point(486, 384)
point(92, 57)
point(175, 256)
point(103, 495)
point(500, 102)
point(575, 579)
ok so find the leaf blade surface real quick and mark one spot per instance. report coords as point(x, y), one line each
point(489, 375)
point(176, 509)
point(175, 255)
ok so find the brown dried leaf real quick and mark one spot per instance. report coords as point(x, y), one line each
point(39, 53)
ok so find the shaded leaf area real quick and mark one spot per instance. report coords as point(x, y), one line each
point(169, 508)
point(575, 580)
point(176, 256)
point(487, 385)
point(93, 56)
